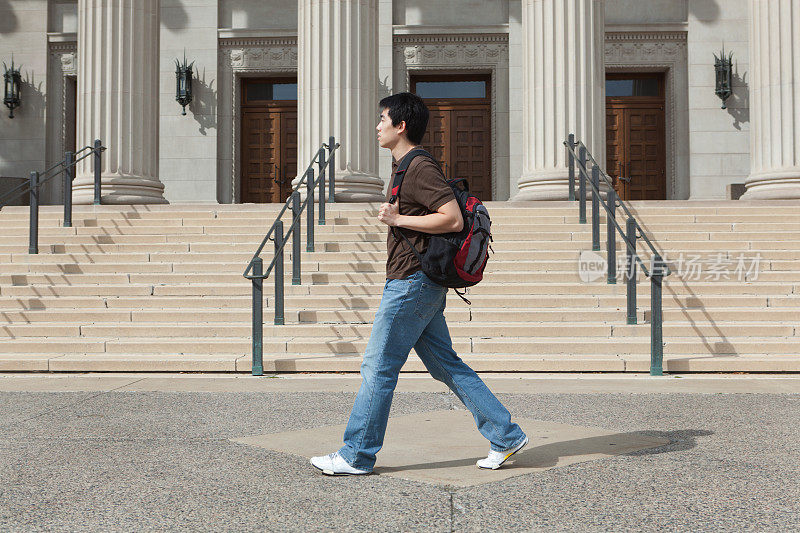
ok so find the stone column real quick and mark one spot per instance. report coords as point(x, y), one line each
point(337, 61)
point(774, 101)
point(563, 91)
point(118, 92)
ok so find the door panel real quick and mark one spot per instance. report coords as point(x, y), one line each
point(646, 155)
point(437, 137)
point(269, 141)
point(260, 156)
point(288, 152)
point(459, 131)
point(615, 148)
point(459, 136)
point(472, 150)
point(636, 146)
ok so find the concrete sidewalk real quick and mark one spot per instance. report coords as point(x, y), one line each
point(198, 452)
point(518, 383)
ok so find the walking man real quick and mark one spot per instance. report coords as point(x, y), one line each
point(411, 312)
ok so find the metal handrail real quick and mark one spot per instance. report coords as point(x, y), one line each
point(659, 268)
point(66, 167)
point(612, 217)
point(10, 194)
point(63, 163)
point(309, 170)
point(254, 271)
point(609, 182)
point(621, 203)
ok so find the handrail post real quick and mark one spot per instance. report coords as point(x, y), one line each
point(611, 239)
point(69, 173)
point(331, 168)
point(33, 245)
point(258, 317)
point(631, 269)
point(296, 239)
point(98, 168)
point(656, 338)
point(310, 211)
point(278, 237)
point(571, 158)
point(582, 185)
point(322, 186)
point(595, 208)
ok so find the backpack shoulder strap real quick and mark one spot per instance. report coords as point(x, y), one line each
point(402, 167)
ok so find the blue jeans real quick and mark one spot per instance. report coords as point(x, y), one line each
point(411, 314)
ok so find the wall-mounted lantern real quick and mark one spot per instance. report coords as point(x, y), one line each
point(722, 66)
point(183, 83)
point(13, 80)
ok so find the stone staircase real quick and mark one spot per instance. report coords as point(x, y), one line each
point(160, 288)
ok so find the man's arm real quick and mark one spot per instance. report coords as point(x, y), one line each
point(446, 219)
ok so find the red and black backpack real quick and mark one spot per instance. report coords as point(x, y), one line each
point(454, 260)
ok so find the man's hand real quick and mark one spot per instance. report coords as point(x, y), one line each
point(447, 219)
point(389, 214)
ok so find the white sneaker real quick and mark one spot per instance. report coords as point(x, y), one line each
point(496, 459)
point(334, 464)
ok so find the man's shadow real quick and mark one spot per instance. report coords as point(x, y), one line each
point(547, 455)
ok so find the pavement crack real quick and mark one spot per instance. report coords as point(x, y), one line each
point(86, 399)
point(452, 513)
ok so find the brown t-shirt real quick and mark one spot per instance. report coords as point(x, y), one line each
point(423, 192)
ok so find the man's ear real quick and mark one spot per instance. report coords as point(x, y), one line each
point(401, 128)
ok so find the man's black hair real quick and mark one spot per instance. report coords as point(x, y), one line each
point(408, 108)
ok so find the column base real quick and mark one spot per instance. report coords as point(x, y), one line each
point(777, 185)
point(551, 185)
point(118, 190)
point(353, 187)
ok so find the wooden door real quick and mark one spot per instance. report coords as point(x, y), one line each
point(260, 157)
point(288, 151)
point(636, 136)
point(269, 142)
point(471, 144)
point(437, 137)
point(459, 129)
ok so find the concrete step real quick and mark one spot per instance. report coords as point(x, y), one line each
point(43, 291)
point(45, 269)
point(612, 316)
point(360, 284)
point(367, 252)
point(335, 214)
point(233, 210)
point(333, 331)
point(544, 285)
point(138, 362)
point(458, 330)
point(709, 231)
point(242, 315)
point(705, 346)
point(585, 346)
point(160, 287)
point(555, 271)
point(378, 242)
point(84, 249)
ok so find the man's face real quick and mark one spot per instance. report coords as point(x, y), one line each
point(388, 135)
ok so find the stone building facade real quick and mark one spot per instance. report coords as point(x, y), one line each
point(506, 81)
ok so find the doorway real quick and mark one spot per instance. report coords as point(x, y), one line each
point(70, 111)
point(459, 131)
point(636, 135)
point(269, 139)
